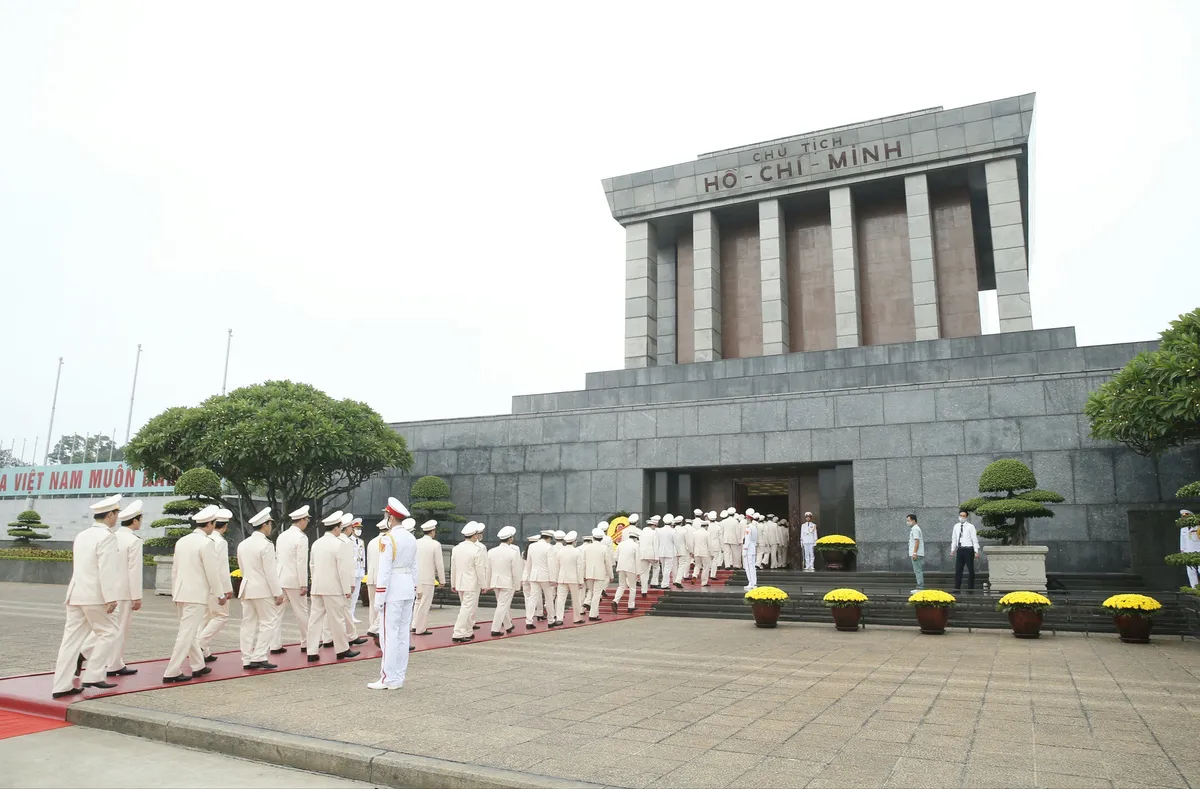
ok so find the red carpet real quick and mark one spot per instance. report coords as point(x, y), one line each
point(29, 694)
point(14, 724)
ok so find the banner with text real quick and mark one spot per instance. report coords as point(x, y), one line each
point(81, 479)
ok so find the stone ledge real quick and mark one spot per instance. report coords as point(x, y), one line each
point(313, 754)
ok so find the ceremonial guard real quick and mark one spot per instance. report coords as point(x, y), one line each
point(749, 550)
point(372, 559)
point(291, 549)
point(360, 567)
point(330, 587)
point(552, 563)
point(198, 583)
point(217, 615)
point(526, 588)
point(766, 545)
point(702, 552)
point(260, 592)
point(648, 554)
point(570, 581)
point(683, 550)
point(627, 566)
point(537, 559)
point(431, 566)
point(468, 577)
point(785, 542)
point(395, 593)
point(714, 544)
point(505, 569)
point(731, 539)
point(666, 549)
point(351, 578)
point(91, 599)
point(1189, 542)
point(597, 571)
point(129, 551)
point(808, 542)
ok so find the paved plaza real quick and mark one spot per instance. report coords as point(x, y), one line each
point(658, 702)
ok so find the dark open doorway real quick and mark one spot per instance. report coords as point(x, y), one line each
point(768, 496)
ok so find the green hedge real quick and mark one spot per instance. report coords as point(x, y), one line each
point(43, 555)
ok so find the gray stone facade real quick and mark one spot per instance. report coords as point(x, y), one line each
point(918, 421)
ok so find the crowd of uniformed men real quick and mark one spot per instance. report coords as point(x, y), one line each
point(320, 583)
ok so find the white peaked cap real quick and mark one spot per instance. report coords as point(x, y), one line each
point(546, 533)
point(382, 525)
point(668, 518)
point(632, 531)
point(347, 518)
point(106, 505)
point(560, 535)
point(534, 537)
point(588, 537)
point(750, 511)
point(602, 526)
point(655, 518)
point(206, 515)
point(570, 537)
point(634, 518)
point(300, 513)
point(261, 517)
point(506, 532)
point(808, 513)
point(469, 529)
point(429, 525)
point(697, 512)
point(356, 522)
point(224, 514)
point(408, 524)
point(130, 512)
point(711, 515)
point(598, 533)
point(333, 519)
point(394, 507)
point(1186, 513)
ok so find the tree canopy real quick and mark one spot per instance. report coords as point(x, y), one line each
point(285, 441)
point(28, 527)
point(1011, 498)
point(431, 500)
point(1153, 403)
point(85, 449)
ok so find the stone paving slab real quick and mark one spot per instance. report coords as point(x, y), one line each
point(713, 703)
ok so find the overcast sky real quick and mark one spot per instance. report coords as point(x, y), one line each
point(401, 203)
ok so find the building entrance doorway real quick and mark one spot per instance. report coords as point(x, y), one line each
point(768, 496)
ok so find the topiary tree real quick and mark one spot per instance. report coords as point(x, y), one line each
point(1011, 499)
point(431, 500)
point(203, 487)
point(26, 528)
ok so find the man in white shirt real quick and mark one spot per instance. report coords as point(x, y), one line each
point(468, 577)
point(504, 574)
point(537, 559)
point(291, 550)
point(259, 592)
point(91, 600)
point(964, 548)
point(217, 615)
point(372, 560)
point(597, 571)
point(648, 554)
point(627, 564)
point(354, 535)
point(199, 581)
point(808, 541)
point(129, 550)
point(916, 551)
point(330, 588)
point(569, 564)
point(665, 539)
point(431, 567)
point(701, 553)
point(395, 594)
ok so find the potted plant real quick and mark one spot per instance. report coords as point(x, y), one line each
point(235, 578)
point(836, 550)
point(933, 609)
point(1011, 499)
point(1024, 611)
point(765, 602)
point(846, 607)
point(1133, 615)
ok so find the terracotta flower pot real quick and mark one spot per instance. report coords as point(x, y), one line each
point(1134, 629)
point(846, 617)
point(765, 614)
point(237, 584)
point(834, 560)
point(932, 619)
point(1025, 622)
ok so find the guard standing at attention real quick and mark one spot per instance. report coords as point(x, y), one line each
point(395, 592)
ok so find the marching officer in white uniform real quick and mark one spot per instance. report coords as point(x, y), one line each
point(291, 549)
point(217, 615)
point(330, 588)
point(648, 554)
point(198, 583)
point(1189, 542)
point(395, 593)
point(702, 552)
point(352, 577)
point(569, 563)
point(537, 558)
point(666, 549)
point(91, 599)
point(597, 571)
point(526, 588)
point(505, 569)
point(129, 549)
point(372, 559)
point(431, 566)
point(627, 566)
point(468, 577)
point(260, 592)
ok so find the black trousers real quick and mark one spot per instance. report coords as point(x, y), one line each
point(964, 557)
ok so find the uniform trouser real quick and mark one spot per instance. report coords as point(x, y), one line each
point(354, 596)
point(258, 625)
point(299, 606)
point(116, 656)
point(704, 569)
point(328, 612)
point(810, 558)
point(83, 620)
point(351, 629)
point(685, 565)
point(421, 608)
point(503, 619)
point(537, 599)
point(727, 554)
point(748, 560)
point(214, 621)
point(655, 572)
point(395, 621)
point(1193, 577)
point(593, 588)
point(780, 556)
point(626, 580)
point(560, 601)
point(644, 568)
point(373, 616)
point(468, 604)
point(668, 570)
point(761, 559)
point(187, 645)
point(964, 557)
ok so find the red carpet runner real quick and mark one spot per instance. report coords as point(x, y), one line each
point(29, 694)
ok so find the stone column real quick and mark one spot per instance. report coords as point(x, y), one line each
point(845, 269)
point(773, 263)
point(920, 252)
point(1008, 245)
point(666, 303)
point(706, 285)
point(641, 295)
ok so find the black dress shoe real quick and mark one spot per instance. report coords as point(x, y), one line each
point(79, 665)
point(359, 640)
point(279, 651)
point(411, 647)
point(530, 626)
point(201, 672)
point(614, 607)
point(510, 628)
point(101, 685)
point(593, 619)
point(497, 633)
point(210, 658)
point(425, 633)
point(555, 624)
point(313, 658)
point(474, 627)
point(262, 664)
point(327, 644)
point(678, 585)
point(349, 653)
point(71, 692)
point(177, 678)
point(123, 672)
point(541, 619)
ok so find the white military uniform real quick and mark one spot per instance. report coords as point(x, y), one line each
point(327, 594)
point(570, 581)
point(731, 539)
point(95, 583)
point(372, 560)
point(783, 541)
point(648, 556)
point(808, 541)
point(749, 548)
point(129, 549)
point(537, 564)
point(703, 554)
point(258, 592)
point(291, 550)
point(665, 540)
point(349, 552)
point(627, 565)
point(468, 576)
point(526, 589)
point(1189, 542)
point(199, 580)
point(217, 615)
point(395, 592)
point(552, 565)
point(597, 572)
point(505, 568)
point(360, 569)
point(431, 566)
point(683, 550)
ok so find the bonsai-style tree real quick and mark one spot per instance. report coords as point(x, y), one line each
point(26, 528)
point(1011, 498)
point(431, 500)
point(202, 487)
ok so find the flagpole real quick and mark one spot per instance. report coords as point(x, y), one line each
point(225, 378)
point(132, 392)
point(53, 405)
